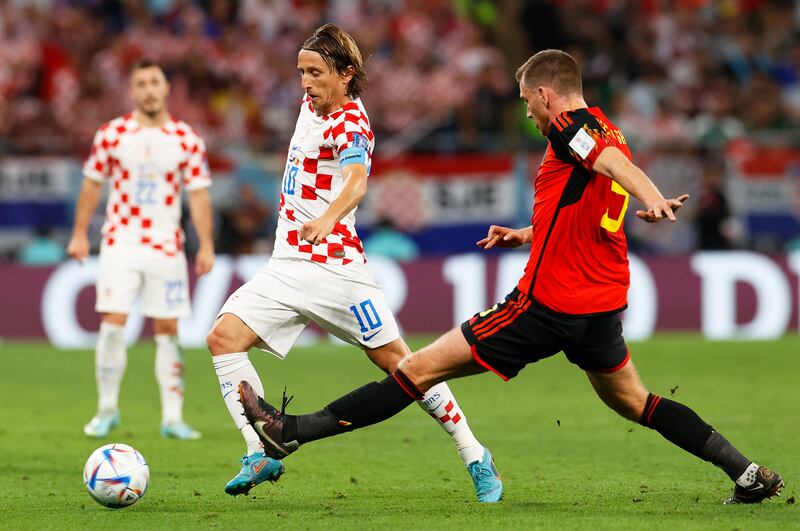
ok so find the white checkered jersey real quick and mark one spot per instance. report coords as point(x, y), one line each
point(313, 178)
point(147, 168)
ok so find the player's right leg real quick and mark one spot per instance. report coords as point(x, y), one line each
point(259, 313)
point(118, 285)
point(228, 342)
point(623, 391)
point(111, 358)
point(448, 357)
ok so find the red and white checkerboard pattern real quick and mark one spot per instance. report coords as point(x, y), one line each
point(316, 181)
point(448, 408)
point(148, 168)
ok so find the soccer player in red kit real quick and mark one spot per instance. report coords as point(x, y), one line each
point(568, 299)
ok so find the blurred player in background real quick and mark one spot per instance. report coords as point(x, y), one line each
point(317, 271)
point(568, 299)
point(148, 157)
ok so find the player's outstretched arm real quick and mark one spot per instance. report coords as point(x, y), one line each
point(351, 194)
point(78, 246)
point(614, 164)
point(203, 221)
point(505, 237)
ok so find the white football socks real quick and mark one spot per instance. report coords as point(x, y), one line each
point(169, 374)
point(110, 360)
point(232, 369)
point(440, 403)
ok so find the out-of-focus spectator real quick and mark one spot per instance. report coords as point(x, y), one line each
point(713, 213)
point(243, 228)
point(42, 250)
point(387, 240)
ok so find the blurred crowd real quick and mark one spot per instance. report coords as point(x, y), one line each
point(668, 71)
point(680, 77)
point(232, 64)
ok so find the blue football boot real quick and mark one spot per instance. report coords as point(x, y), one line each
point(102, 424)
point(488, 486)
point(181, 431)
point(256, 468)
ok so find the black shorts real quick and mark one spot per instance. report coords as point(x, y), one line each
point(519, 331)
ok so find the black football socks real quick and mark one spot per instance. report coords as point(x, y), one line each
point(367, 405)
point(684, 428)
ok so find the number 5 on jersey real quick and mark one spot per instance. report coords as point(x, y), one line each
point(613, 224)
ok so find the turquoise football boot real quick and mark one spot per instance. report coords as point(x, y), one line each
point(102, 424)
point(256, 468)
point(488, 486)
point(180, 430)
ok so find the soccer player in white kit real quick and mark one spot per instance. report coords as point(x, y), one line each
point(317, 271)
point(148, 157)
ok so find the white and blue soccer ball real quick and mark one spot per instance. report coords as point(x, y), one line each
point(116, 475)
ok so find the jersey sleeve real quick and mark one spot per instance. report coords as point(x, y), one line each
point(96, 167)
point(352, 130)
point(196, 174)
point(579, 137)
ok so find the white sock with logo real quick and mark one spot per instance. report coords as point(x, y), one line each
point(232, 369)
point(169, 374)
point(748, 477)
point(110, 360)
point(440, 403)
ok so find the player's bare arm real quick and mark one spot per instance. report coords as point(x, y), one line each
point(202, 219)
point(506, 237)
point(614, 164)
point(352, 193)
point(78, 246)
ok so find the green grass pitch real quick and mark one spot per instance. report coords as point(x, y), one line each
point(566, 461)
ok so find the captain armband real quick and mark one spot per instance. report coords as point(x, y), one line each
point(353, 155)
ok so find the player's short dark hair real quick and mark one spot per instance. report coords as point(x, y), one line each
point(339, 51)
point(146, 63)
point(553, 68)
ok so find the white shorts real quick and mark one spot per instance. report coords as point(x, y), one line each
point(125, 272)
point(287, 294)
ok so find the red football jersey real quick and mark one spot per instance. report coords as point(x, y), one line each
point(578, 262)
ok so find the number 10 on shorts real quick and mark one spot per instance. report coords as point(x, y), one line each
point(366, 315)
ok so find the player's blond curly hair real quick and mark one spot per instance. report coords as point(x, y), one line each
point(340, 52)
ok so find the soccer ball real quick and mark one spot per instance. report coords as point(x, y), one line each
point(116, 475)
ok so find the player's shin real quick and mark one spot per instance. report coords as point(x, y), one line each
point(683, 427)
point(169, 374)
point(440, 404)
point(111, 358)
point(367, 405)
point(232, 369)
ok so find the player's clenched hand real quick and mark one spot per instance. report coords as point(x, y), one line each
point(505, 237)
point(204, 260)
point(78, 247)
point(661, 209)
point(316, 230)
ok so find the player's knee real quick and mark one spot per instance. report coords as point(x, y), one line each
point(168, 327)
point(219, 342)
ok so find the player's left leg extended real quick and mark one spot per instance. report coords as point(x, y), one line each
point(169, 374)
point(622, 391)
point(440, 404)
